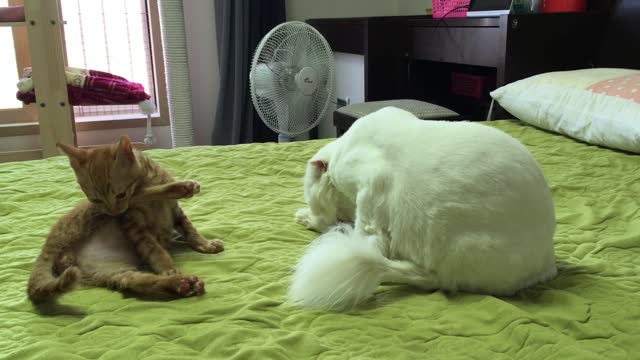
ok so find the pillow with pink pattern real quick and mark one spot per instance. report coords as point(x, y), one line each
point(598, 106)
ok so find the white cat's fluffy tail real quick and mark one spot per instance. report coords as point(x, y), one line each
point(341, 269)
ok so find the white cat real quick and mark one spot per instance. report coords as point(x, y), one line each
point(457, 206)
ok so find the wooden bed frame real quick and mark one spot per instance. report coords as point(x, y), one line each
point(48, 61)
point(45, 38)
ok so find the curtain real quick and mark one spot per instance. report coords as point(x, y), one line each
point(240, 25)
point(176, 65)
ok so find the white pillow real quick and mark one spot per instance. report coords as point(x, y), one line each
point(597, 106)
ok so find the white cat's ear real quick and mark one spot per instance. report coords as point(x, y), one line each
point(76, 156)
point(319, 166)
point(125, 150)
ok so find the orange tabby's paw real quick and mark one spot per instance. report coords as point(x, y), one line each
point(68, 279)
point(190, 286)
point(211, 247)
point(185, 189)
point(63, 262)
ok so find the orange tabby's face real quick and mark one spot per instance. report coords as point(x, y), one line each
point(107, 175)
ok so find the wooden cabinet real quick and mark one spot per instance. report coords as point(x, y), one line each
point(415, 56)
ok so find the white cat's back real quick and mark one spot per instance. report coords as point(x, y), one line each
point(439, 205)
point(456, 189)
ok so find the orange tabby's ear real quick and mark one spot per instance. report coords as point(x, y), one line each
point(125, 149)
point(75, 155)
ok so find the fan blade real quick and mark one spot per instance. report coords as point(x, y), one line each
point(302, 112)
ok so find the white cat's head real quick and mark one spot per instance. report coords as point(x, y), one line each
point(317, 168)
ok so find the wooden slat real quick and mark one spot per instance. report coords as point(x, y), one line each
point(17, 115)
point(25, 155)
point(19, 129)
point(36, 154)
point(136, 145)
point(7, 24)
point(48, 73)
point(32, 128)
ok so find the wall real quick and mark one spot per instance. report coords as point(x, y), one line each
point(412, 7)
point(349, 87)
point(306, 9)
point(199, 16)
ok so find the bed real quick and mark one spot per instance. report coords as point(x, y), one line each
point(250, 192)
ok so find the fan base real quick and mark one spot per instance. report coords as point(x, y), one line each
point(284, 138)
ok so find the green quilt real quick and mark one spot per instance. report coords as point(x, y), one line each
point(249, 194)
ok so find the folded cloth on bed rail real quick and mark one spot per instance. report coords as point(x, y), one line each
point(84, 96)
point(89, 87)
point(74, 76)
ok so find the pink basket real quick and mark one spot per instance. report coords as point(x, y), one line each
point(475, 86)
point(445, 8)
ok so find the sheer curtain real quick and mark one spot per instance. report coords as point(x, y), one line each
point(174, 47)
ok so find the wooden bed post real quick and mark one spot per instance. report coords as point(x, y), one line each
point(48, 72)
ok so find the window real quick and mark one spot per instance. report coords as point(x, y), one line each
point(13, 44)
point(8, 68)
point(116, 36)
point(111, 36)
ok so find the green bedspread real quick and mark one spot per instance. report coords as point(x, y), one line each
point(249, 194)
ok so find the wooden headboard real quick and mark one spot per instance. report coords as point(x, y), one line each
point(620, 38)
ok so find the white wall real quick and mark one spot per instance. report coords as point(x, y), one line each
point(350, 77)
point(308, 9)
point(412, 7)
point(202, 49)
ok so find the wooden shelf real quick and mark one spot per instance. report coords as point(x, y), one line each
point(20, 23)
point(7, 24)
point(24, 155)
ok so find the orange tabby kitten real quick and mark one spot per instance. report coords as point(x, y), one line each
point(127, 224)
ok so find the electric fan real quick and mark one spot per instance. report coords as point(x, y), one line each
point(292, 79)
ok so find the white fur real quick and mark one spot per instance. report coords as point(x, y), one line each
point(108, 250)
point(333, 255)
point(457, 206)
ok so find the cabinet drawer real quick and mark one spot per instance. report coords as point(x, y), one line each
point(472, 46)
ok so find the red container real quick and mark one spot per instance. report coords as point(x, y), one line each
point(474, 86)
point(449, 8)
point(551, 6)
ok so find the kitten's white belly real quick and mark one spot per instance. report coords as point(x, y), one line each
point(107, 247)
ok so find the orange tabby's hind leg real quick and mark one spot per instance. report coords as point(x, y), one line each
point(44, 286)
point(144, 283)
point(196, 241)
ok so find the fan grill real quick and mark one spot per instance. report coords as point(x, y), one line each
point(277, 70)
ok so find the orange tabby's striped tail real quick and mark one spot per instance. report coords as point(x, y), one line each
point(43, 286)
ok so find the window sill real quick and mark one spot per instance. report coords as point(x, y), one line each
point(105, 122)
point(93, 123)
point(113, 117)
